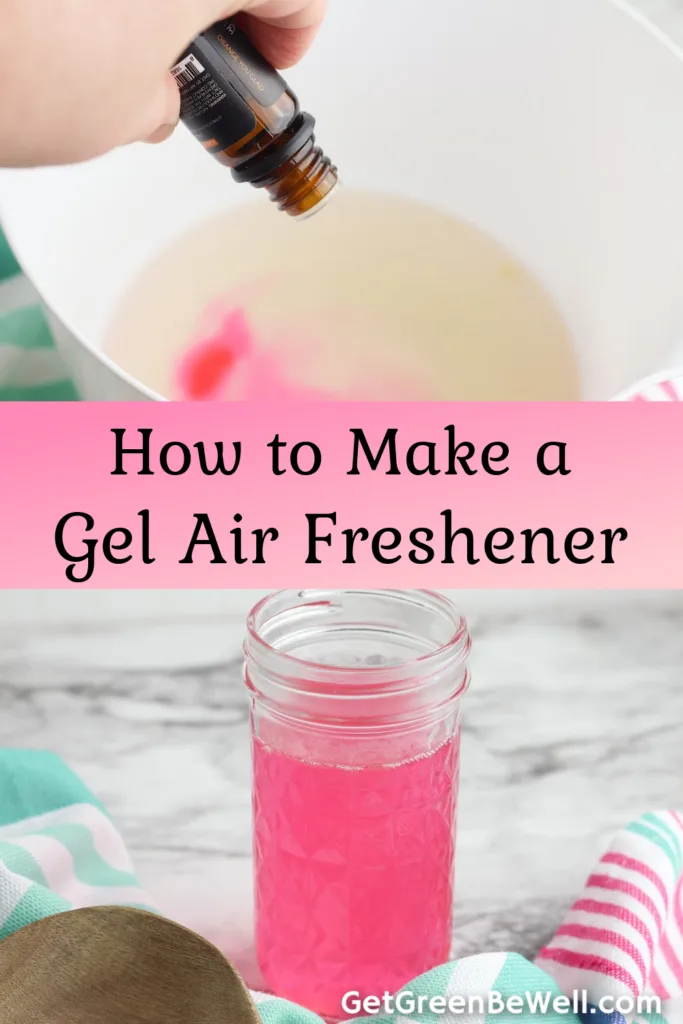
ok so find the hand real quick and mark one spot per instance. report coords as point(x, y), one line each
point(81, 77)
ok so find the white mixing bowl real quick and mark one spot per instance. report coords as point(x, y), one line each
point(555, 125)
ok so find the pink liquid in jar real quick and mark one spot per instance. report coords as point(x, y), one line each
point(355, 717)
point(354, 873)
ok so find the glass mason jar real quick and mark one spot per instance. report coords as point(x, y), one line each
point(355, 740)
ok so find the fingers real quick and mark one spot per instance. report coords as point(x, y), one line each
point(281, 47)
point(160, 119)
point(283, 30)
point(294, 14)
point(191, 17)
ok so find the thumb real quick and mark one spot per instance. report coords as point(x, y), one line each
point(160, 119)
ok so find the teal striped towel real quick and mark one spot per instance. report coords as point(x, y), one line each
point(59, 850)
point(30, 366)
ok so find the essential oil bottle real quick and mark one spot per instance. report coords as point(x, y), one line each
point(244, 114)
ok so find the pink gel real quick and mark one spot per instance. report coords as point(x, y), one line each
point(354, 873)
point(225, 364)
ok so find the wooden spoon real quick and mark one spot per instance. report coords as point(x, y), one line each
point(116, 965)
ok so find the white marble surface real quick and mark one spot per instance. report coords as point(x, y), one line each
point(572, 726)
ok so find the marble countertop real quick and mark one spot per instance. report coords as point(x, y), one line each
point(571, 727)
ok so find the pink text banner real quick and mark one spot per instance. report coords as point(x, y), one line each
point(328, 495)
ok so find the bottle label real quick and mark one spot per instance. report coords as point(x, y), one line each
point(251, 71)
point(209, 106)
point(220, 76)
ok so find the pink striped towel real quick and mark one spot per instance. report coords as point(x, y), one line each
point(660, 388)
point(624, 936)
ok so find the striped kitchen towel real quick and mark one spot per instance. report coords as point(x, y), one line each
point(661, 387)
point(59, 850)
point(58, 847)
point(30, 366)
point(623, 938)
point(666, 390)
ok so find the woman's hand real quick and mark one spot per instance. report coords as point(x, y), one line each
point(80, 77)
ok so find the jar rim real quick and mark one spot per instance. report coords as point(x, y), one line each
point(456, 647)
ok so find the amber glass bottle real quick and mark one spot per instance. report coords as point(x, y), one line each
point(245, 115)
